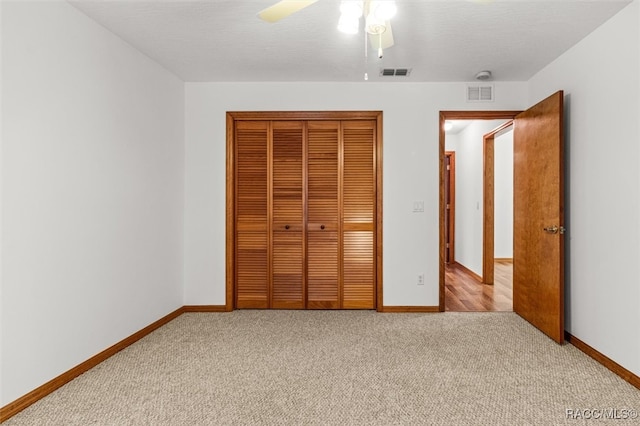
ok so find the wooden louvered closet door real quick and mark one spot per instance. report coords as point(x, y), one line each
point(305, 201)
point(323, 214)
point(252, 215)
point(287, 217)
point(358, 215)
point(341, 215)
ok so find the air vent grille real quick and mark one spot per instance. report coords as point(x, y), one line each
point(395, 72)
point(480, 93)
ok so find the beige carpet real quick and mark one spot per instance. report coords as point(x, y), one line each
point(340, 368)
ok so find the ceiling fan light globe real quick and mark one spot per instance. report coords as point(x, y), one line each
point(348, 24)
point(351, 8)
point(384, 9)
point(375, 25)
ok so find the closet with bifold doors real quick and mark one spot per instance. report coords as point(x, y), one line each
point(304, 211)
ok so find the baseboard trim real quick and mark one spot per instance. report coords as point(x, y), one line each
point(469, 271)
point(409, 309)
point(23, 402)
point(604, 360)
point(205, 308)
point(503, 259)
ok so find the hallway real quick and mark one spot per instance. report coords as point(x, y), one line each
point(464, 293)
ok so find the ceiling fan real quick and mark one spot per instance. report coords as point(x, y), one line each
point(377, 15)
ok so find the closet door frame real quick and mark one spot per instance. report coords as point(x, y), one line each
point(232, 117)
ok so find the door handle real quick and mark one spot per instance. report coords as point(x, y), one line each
point(554, 229)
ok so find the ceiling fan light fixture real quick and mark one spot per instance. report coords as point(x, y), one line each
point(375, 25)
point(383, 9)
point(351, 8)
point(348, 24)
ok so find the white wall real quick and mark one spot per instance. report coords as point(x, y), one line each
point(92, 187)
point(410, 172)
point(600, 76)
point(469, 193)
point(503, 201)
point(451, 142)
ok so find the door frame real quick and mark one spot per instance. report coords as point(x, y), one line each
point(451, 211)
point(462, 115)
point(231, 118)
point(488, 201)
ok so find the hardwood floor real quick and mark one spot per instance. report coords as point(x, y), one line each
point(464, 293)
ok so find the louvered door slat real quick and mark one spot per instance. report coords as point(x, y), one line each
point(252, 258)
point(287, 271)
point(358, 215)
point(252, 274)
point(322, 270)
point(323, 267)
point(287, 216)
point(358, 288)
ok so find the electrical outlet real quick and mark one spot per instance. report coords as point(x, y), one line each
point(420, 279)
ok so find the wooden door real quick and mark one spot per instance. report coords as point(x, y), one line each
point(538, 252)
point(304, 227)
point(287, 215)
point(323, 213)
point(252, 263)
point(449, 206)
point(358, 214)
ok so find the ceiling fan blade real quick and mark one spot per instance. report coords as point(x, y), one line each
point(283, 8)
point(385, 40)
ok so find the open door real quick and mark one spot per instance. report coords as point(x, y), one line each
point(538, 207)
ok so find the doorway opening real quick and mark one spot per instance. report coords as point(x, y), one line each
point(538, 211)
point(476, 266)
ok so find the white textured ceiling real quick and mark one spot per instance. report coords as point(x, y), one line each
point(223, 40)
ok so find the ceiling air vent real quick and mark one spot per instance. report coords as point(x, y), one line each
point(395, 72)
point(480, 93)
